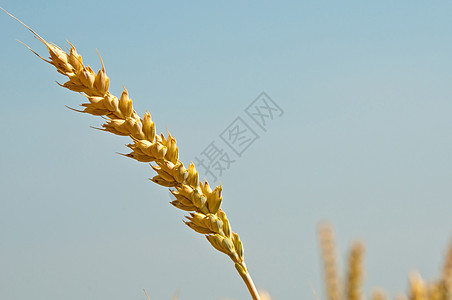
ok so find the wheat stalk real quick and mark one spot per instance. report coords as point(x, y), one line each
point(355, 272)
point(328, 250)
point(201, 201)
point(446, 276)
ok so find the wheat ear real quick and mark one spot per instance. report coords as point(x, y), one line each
point(378, 294)
point(418, 289)
point(445, 283)
point(447, 270)
point(355, 272)
point(442, 288)
point(203, 204)
point(328, 251)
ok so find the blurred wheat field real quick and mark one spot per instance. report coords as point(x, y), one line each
point(349, 287)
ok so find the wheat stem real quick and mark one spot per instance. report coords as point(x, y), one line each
point(250, 285)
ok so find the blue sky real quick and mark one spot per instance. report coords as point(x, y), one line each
point(364, 143)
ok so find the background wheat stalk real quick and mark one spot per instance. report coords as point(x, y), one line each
point(201, 201)
point(328, 252)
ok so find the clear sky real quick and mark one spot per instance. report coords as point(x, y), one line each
point(364, 142)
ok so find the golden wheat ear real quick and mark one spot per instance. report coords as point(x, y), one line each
point(355, 272)
point(201, 201)
point(329, 258)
